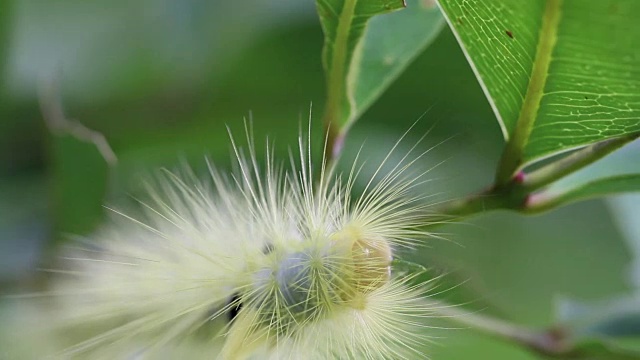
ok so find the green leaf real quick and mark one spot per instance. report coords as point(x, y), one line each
point(558, 74)
point(363, 53)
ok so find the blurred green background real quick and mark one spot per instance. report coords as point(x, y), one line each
point(162, 79)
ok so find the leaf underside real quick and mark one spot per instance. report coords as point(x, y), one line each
point(559, 74)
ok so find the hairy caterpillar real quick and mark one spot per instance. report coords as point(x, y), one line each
point(289, 265)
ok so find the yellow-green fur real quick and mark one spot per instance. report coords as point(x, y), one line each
point(308, 266)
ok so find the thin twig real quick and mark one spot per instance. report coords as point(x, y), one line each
point(57, 122)
point(549, 342)
point(575, 161)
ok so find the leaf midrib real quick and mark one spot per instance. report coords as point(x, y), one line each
point(513, 153)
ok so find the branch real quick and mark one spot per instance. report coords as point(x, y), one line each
point(551, 342)
point(526, 192)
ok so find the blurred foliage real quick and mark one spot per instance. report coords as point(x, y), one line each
point(71, 161)
point(162, 80)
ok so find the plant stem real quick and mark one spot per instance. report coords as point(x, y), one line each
point(337, 64)
point(521, 192)
point(477, 203)
point(579, 159)
point(549, 342)
point(548, 199)
point(494, 198)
